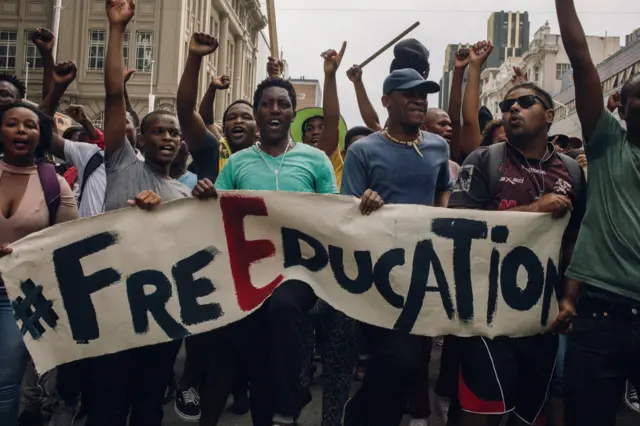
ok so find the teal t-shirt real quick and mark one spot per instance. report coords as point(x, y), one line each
point(304, 169)
point(607, 253)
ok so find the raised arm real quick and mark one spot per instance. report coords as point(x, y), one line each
point(471, 136)
point(222, 82)
point(45, 41)
point(329, 139)
point(589, 96)
point(77, 113)
point(192, 125)
point(119, 13)
point(62, 76)
point(455, 102)
point(127, 76)
point(367, 112)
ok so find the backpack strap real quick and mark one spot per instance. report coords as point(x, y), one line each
point(497, 162)
point(575, 171)
point(94, 162)
point(51, 188)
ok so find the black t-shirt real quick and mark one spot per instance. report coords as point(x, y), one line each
point(523, 181)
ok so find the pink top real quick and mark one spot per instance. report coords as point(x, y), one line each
point(32, 214)
point(454, 169)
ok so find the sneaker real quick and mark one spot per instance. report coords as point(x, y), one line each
point(30, 418)
point(631, 398)
point(187, 404)
point(240, 405)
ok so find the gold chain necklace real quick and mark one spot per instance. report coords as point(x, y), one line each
point(413, 144)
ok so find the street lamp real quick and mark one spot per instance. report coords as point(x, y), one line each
point(152, 97)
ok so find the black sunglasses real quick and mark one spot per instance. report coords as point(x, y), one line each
point(526, 102)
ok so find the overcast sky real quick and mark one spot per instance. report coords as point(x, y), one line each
point(308, 27)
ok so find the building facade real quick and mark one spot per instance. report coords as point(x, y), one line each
point(509, 33)
point(633, 37)
point(546, 61)
point(614, 72)
point(308, 92)
point(156, 46)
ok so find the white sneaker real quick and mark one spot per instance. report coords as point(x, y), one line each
point(631, 398)
point(418, 422)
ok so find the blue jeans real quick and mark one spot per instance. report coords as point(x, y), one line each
point(13, 359)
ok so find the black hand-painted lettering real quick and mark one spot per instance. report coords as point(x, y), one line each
point(293, 252)
point(551, 281)
point(514, 296)
point(189, 289)
point(33, 308)
point(423, 259)
point(462, 232)
point(154, 303)
point(494, 269)
point(363, 281)
point(76, 288)
point(499, 234)
point(382, 279)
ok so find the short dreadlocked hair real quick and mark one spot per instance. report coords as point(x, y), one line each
point(16, 82)
point(274, 82)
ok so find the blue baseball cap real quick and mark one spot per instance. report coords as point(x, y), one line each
point(407, 79)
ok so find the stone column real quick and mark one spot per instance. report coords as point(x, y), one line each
point(238, 69)
point(222, 62)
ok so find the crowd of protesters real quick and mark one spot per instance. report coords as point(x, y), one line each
point(576, 374)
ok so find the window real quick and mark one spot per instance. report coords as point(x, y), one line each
point(98, 121)
point(8, 45)
point(144, 50)
point(561, 69)
point(125, 49)
point(31, 52)
point(97, 49)
point(536, 74)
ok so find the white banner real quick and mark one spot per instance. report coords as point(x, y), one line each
point(134, 278)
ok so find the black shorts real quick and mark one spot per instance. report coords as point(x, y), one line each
point(507, 374)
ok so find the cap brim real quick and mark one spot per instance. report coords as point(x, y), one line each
point(307, 113)
point(429, 86)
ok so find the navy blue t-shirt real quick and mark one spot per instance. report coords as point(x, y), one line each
point(396, 171)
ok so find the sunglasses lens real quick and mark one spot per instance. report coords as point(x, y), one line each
point(526, 101)
point(505, 106)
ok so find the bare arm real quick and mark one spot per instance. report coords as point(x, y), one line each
point(455, 103)
point(471, 137)
point(329, 139)
point(442, 199)
point(192, 125)
point(77, 113)
point(589, 96)
point(208, 100)
point(367, 112)
point(119, 15)
point(45, 41)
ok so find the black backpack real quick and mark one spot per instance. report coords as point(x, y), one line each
point(94, 162)
point(498, 159)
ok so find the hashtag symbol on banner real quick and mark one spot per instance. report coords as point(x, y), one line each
point(33, 308)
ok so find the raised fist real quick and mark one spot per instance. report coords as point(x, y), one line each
point(202, 44)
point(120, 12)
point(332, 59)
point(614, 101)
point(480, 52)
point(221, 82)
point(275, 67)
point(43, 39)
point(64, 73)
point(128, 74)
point(76, 112)
point(354, 74)
point(461, 58)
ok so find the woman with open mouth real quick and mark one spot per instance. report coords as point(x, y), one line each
point(32, 197)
